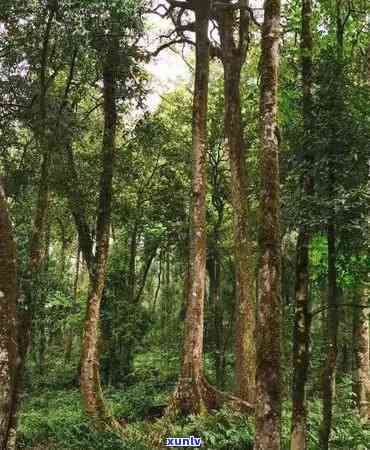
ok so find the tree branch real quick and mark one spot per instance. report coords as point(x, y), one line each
point(171, 43)
point(349, 305)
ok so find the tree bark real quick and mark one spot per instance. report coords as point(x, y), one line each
point(132, 264)
point(35, 254)
point(362, 356)
point(328, 380)
point(302, 320)
point(233, 57)
point(213, 264)
point(69, 337)
point(90, 379)
point(188, 396)
point(76, 205)
point(301, 343)
point(39, 215)
point(332, 318)
point(268, 370)
point(193, 394)
point(8, 329)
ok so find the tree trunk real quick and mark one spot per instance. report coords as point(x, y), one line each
point(132, 264)
point(90, 380)
point(332, 322)
point(188, 396)
point(35, 251)
point(167, 298)
point(245, 352)
point(8, 329)
point(328, 380)
point(69, 337)
point(76, 205)
point(215, 299)
point(268, 371)
point(35, 255)
point(361, 373)
point(302, 320)
point(301, 343)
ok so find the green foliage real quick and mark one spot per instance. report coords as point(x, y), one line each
point(57, 419)
point(222, 430)
point(137, 402)
point(348, 431)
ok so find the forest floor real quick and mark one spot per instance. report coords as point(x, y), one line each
point(52, 416)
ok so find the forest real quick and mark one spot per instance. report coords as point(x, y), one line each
point(184, 224)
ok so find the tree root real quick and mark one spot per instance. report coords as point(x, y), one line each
point(197, 396)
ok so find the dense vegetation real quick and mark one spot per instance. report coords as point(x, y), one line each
point(200, 267)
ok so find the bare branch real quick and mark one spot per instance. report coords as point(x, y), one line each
point(347, 305)
point(170, 44)
point(157, 12)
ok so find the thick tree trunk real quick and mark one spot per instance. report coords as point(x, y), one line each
point(268, 371)
point(301, 333)
point(188, 396)
point(362, 356)
point(245, 350)
point(328, 379)
point(232, 56)
point(8, 329)
point(90, 379)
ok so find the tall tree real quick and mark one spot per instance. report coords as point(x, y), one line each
point(302, 317)
point(332, 317)
point(8, 331)
point(268, 372)
point(235, 21)
point(40, 128)
point(35, 257)
point(362, 354)
point(90, 378)
point(189, 393)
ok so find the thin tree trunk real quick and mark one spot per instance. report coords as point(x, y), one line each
point(63, 249)
point(232, 58)
point(41, 309)
point(268, 371)
point(90, 379)
point(132, 264)
point(35, 251)
point(328, 380)
point(35, 255)
point(167, 298)
point(8, 329)
point(69, 340)
point(158, 287)
point(301, 342)
point(332, 321)
point(213, 265)
point(302, 321)
point(76, 205)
